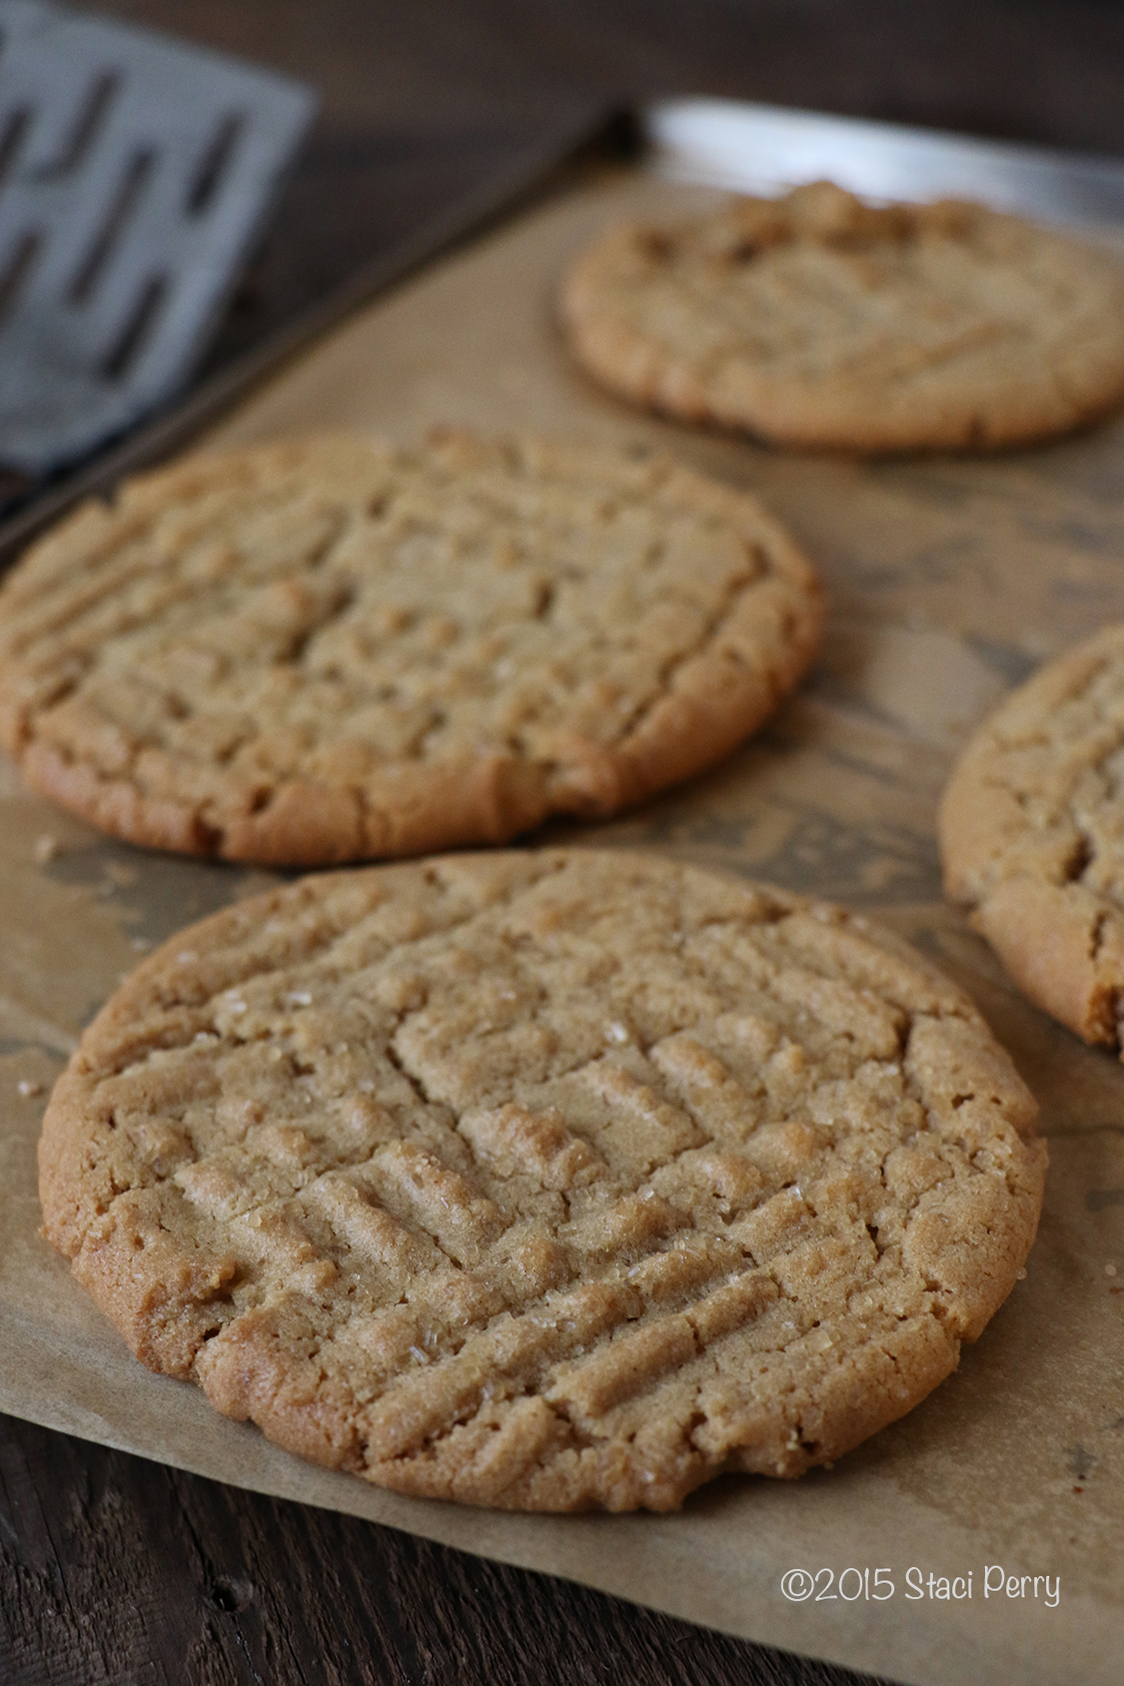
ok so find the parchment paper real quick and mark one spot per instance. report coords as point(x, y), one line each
point(949, 580)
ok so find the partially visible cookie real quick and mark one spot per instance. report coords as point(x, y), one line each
point(544, 1180)
point(1032, 836)
point(337, 650)
point(818, 320)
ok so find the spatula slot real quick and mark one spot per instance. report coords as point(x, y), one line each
point(15, 271)
point(214, 164)
point(138, 328)
point(13, 128)
point(87, 126)
point(121, 208)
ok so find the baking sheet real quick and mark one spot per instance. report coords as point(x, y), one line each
point(948, 580)
point(754, 148)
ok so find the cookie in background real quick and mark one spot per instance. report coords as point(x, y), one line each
point(819, 321)
point(338, 650)
point(1032, 835)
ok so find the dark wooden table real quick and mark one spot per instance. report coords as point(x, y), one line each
point(118, 1570)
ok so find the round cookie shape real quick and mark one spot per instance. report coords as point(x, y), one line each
point(337, 650)
point(547, 1180)
point(1032, 836)
point(816, 320)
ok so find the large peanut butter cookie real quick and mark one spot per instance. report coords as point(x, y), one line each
point(817, 320)
point(1032, 835)
point(546, 1180)
point(336, 650)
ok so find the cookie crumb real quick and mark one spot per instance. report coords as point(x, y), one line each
point(46, 849)
point(28, 1087)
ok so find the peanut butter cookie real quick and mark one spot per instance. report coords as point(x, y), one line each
point(544, 1180)
point(337, 650)
point(1032, 836)
point(817, 320)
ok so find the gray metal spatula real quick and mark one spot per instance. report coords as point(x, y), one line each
point(135, 173)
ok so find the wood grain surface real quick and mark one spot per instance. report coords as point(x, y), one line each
point(117, 1570)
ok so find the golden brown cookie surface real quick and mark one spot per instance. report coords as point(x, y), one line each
point(544, 1180)
point(336, 650)
point(1032, 835)
point(817, 320)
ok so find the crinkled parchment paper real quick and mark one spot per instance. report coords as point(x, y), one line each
point(949, 581)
